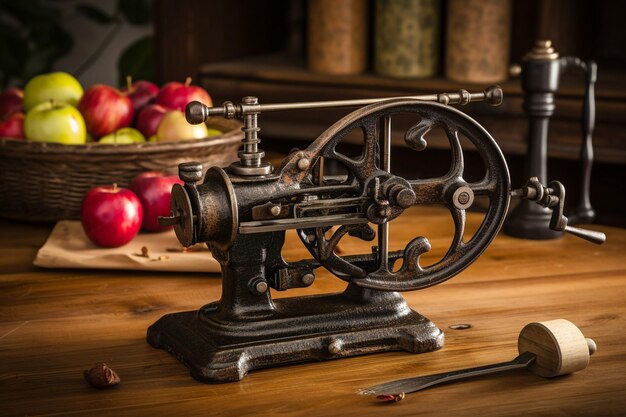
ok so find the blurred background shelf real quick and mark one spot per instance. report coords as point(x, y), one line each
point(258, 48)
point(280, 77)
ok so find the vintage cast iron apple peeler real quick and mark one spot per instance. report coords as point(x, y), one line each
point(243, 211)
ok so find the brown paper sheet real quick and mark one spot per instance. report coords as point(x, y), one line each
point(68, 247)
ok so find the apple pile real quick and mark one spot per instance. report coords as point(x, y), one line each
point(54, 108)
point(112, 216)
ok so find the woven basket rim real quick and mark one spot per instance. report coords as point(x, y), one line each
point(26, 148)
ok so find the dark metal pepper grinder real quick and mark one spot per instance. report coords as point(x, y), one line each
point(540, 75)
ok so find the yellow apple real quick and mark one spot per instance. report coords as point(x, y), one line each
point(174, 127)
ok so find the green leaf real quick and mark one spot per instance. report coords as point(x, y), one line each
point(137, 12)
point(95, 14)
point(137, 60)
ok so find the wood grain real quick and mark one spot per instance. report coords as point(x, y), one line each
point(559, 346)
point(55, 323)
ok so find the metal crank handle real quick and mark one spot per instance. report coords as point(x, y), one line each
point(553, 197)
point(548, 349)
point(592, 236)
point(197, 112)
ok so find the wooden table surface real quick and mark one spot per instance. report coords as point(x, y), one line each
point(56, 323)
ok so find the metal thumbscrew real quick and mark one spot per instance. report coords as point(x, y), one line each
point(190, 172)
point(548, 349)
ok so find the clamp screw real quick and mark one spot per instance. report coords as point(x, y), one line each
point(251, 157)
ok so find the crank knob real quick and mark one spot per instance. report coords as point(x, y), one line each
point(196, 113)
point(559, 346)
point(494, 95)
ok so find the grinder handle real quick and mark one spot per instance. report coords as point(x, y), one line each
point(553, 197)
point(559, 346)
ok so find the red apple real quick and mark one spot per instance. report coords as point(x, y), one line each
point(175, 95)
point(141, 93)
point(13, 126)
point(111, 216)
point(11, 101)
point(105, 110)
point(149, 119)
point(154, 191)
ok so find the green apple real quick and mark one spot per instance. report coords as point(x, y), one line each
point(125, 135)
point(173, 127)
point(57, 86)
point(55, 122)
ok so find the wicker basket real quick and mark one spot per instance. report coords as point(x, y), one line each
point(46, 182)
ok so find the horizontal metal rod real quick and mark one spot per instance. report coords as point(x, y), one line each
point(462, 97)
point(197, 112)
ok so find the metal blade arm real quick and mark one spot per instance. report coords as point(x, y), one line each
point(418, 383)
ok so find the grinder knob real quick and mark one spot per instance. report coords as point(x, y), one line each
point(196, 113)
point(559, 346)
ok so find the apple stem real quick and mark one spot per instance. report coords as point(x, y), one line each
point(129, 83)
point(187, 81)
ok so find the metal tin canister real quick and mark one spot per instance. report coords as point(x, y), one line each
point(407, 38)
point(478, 40)
point(337, 36)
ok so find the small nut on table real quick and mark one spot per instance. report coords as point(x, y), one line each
point(101, 376)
